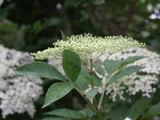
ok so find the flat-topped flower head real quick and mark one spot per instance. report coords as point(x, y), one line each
point(85, 45)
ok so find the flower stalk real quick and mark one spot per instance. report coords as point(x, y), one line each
point(91, 72)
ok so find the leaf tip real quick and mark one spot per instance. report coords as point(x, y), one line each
point(44, 106)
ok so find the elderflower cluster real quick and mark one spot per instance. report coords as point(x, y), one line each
point(140, 82)
point(85, 45)
point(17, 93)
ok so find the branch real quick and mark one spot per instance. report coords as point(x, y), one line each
point(129, 16)
point(92, 82)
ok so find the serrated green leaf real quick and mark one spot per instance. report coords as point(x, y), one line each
point(56, 92)
point(153, 111)
point(39, 69)
point(124, 72)
point(67, 113)
point(113, 65)
point(137, 109)
point(64, 37)
point(71, 64)
point(91, 94)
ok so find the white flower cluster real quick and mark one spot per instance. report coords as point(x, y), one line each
point(136, 82)
point(17, 93)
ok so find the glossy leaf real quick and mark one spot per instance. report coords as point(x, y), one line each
point(71, 64)
point(40, 69)
point(56, 92)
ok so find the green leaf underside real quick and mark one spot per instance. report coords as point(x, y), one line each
point(40, 69)
point(67, 113)
point(138, 108)
point(56, 92)
point(91, 94)
point(112, 65)
point(153, 111)
point(64, 37)
point(125, 71)
point(71, 64)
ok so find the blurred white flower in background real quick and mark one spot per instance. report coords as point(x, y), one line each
point(17, 93)
point(145, 34)
point(1, 1)
point(156, 118)
point(57, 63)
point(127, 118)
point(136, 82)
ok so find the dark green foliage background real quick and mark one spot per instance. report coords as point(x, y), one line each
point(37, 22)
point(31, 25)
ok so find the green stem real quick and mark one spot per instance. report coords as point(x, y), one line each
point(91, 73)
point(101, 98)
point(97, 57)
point(92, 83)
